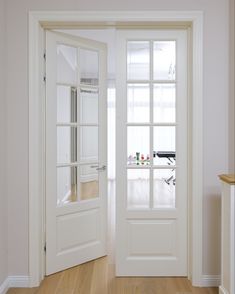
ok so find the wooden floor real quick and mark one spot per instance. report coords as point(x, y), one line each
point(97, 277)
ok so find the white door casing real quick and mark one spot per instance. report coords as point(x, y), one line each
point(76, 193)
point(41, 20)
point(151, 240)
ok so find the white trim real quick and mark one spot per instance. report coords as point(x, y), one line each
point(4, 286)
point(18, 281)
point(14, 282)
point(36, 150)
point(113, 16)
point(36, 121)
point(197, 151)
point(210, 281)
point(222, 290)
point(232, 238)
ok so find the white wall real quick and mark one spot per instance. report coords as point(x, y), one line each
point(3, 196)
point(215, 113)
point(232, 91)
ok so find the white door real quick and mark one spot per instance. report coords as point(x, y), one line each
point(76, 196)
point(151, 153)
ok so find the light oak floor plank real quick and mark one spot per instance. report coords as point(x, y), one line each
point(84, 278)
point(49, 284)
point(98, 277)
point(22, 291)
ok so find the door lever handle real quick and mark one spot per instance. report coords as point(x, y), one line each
point(102, 168)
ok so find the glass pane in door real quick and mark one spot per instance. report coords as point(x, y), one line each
point(66, 64)
point(164, 188)
point(89, 106)
point(138, 188)
point(138, 103)
point(164, 145)
point(66, 185)
point(164, 53)
point(89, 181)
point(66, 104)
point(138, 146)
point(66, 144)
point(164, 103)
point(89, 144)
point(138, 58)
point(89, 67)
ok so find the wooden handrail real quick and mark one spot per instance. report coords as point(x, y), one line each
point(228, 178)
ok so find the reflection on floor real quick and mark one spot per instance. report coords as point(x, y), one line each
point(89, 190)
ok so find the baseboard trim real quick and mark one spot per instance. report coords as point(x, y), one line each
point(222, 290)
point(210, 280)
point(23, 282)
point(4, 287)
point(18, 281)
point(14, 282)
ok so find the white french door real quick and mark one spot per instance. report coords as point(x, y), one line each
point(152, 155)
point(76, 196)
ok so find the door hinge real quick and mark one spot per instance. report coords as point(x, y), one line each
point(44, 79)
point(45, 247)
point(44, 56)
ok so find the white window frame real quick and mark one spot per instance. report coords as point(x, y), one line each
point(40, 20)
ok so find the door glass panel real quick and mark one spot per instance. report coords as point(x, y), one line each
point(89, 106)
point(138, 103)
point(164, 103)
point(138, 57)
point(138, 188)
point(164, 188)
point(138, 145)
point(89, 67)
point(164, 145)
point(66, 185)
point(66, 64)
point(66, 144)
point(89, 182)
point(164, 60)
point(66, 104)
point(89, 143)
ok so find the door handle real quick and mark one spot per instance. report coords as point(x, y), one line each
point(102, 168)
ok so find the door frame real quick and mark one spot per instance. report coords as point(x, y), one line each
point(38, 21)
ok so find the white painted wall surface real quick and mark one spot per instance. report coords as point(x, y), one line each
point(232, 90)
point(215, 148)
point(3, 195)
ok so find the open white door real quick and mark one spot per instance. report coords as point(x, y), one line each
point(76, 195)
point(151, 235)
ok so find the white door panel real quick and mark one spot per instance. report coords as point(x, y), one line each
point(76, 196)
point(151, 153)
